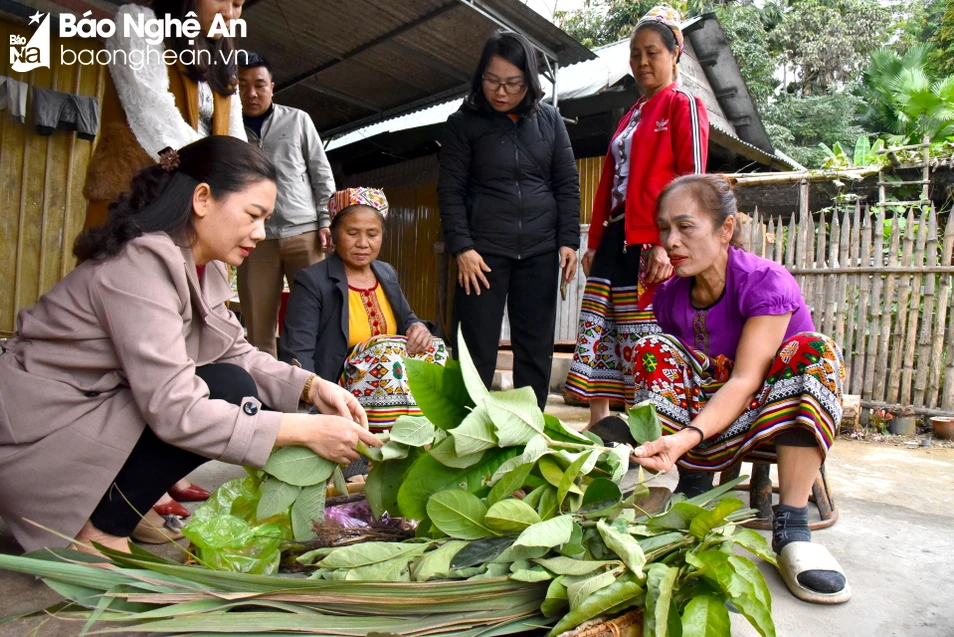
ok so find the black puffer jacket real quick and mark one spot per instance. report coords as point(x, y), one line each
point(496, 198)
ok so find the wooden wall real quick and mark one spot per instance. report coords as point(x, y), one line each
point(41, 183)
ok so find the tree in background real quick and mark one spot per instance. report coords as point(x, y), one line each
point(905, 99)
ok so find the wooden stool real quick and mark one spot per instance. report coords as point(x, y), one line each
point(760, 490)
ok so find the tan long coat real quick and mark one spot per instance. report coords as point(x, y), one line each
point(112, 349)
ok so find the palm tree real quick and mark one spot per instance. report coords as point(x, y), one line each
point(904, 101)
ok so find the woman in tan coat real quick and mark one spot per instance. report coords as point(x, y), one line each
point(131, 372)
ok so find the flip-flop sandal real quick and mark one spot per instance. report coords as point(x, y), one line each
point(799, 557)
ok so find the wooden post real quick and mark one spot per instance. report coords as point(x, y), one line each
point(934, 397)
point(860, 365)
point(911, 335)
point(901, 324)
point(827, 281)
point(760, 490)
point(881, 371)
point(927, 321)
point(875, 306)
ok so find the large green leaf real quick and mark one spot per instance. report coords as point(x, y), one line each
point(475, 434)
point(511, 516)
point(742, 582)
point(547, 507)
point(515, 415)
point(755, 543)
point(383, 483)
point(557, 430)
point(569, 566)
point(531, 575)
point(366, 553)
point(427, 476)
point(509, 483)
point(644, 423)
point(439, 391)
point(625, 546)
point(706, 616)
point(299, 466)
point(413, 431)
point(393, 570)
point(620, 594)
point(601, 494)
point(549, 533)
point(277, 496)
point(712, 518)
point(579, 588)
point(309, 508)
point(475, 387)
point(677, 518)
point(660, 581)
point(458, 514)
point(568, 481)
point(446, 454)
point(480, 552)
point(437, 563)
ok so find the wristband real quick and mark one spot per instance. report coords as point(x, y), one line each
point(702, 436)
point(306, 392)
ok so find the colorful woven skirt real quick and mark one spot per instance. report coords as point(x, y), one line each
point(802, 391)
point(611, 322)
point(374, 373)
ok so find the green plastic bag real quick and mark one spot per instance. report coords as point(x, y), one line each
point(227, 535)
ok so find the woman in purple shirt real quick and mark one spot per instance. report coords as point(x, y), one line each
point(739, 372)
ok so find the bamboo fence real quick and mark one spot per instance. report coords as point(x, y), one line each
point(883, 291)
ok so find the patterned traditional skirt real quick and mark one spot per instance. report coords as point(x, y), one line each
point(374, 373)
point(802, 391)
point(610, 321)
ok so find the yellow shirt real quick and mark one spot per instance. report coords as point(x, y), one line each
point(369, 314)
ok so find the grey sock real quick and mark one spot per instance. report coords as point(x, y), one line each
point(790, 524)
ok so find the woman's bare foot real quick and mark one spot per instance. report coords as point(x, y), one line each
point(599, 409)
point(89, 534)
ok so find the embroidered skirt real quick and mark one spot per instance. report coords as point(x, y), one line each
point(802, 391)
point(611, 321)
point(374, 373)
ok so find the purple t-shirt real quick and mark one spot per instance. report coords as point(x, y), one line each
point(753, 287)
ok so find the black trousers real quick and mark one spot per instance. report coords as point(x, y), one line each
point(528, 288)
point(154, 466)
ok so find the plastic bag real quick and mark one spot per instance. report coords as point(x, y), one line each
point(227, 536)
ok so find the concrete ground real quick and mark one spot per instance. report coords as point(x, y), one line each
point(894, 540)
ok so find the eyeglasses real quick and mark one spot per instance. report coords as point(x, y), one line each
point(512, 88)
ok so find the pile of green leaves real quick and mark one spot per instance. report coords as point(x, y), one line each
point(503, 491)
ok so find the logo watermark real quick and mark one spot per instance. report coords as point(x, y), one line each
point(26, 55)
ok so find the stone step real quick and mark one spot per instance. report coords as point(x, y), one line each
point(503, 375)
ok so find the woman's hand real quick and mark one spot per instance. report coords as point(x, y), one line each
point(330, 398)
point(324, 240)
point(661, 454)
point(587, 261)
point(331, 437)
point(659, 266)
point(470, 271)
point(419, 338)
point(568, 263)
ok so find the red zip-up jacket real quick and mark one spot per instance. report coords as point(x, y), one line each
point(671, 139)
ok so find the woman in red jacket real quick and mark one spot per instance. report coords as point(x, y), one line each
point(664, 135)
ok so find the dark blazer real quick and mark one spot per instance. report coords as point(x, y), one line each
point(316, 319)
point(506, 188)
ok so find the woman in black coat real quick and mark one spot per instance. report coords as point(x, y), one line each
point(348, 320)
point(509, 196)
